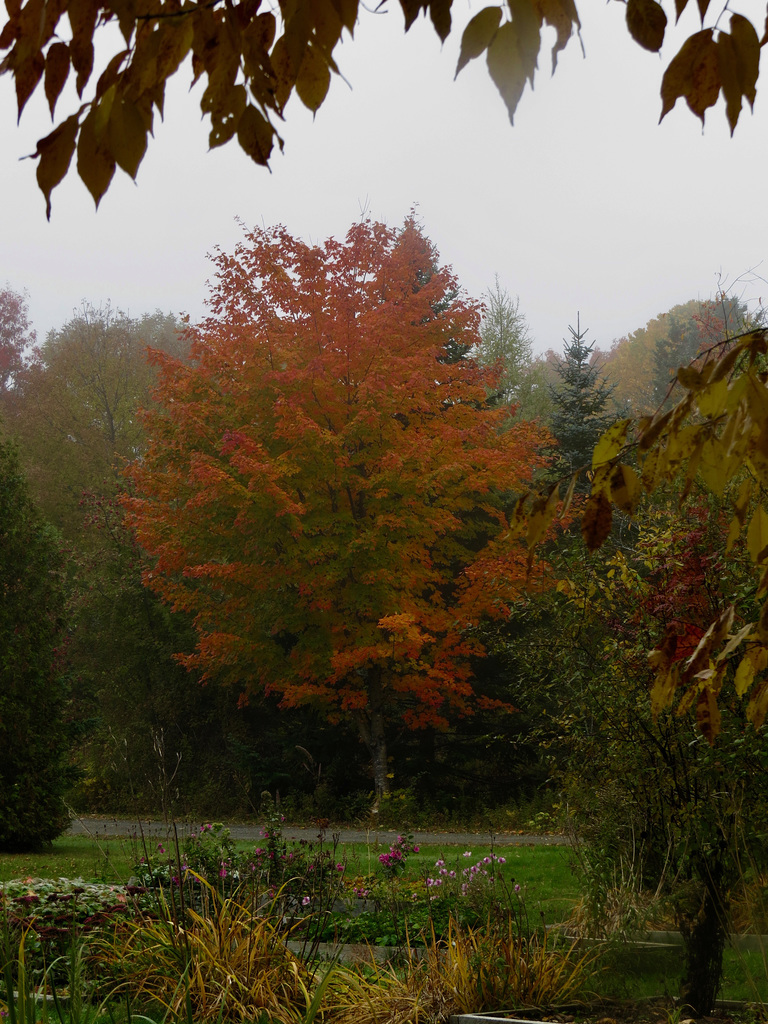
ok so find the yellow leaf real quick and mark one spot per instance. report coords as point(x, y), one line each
point(708, 715)
point(647, 23)
point(682, 443)
point(94, 164)
point(690, 378)
point(568, 499)
point(519, 522)
point(742, 500)
point(758, 705)
point(686, 703)
point(440, 16)
point(727, 361)
point(747, 47)
point(347, 11)
point(693, 74)
point(527, 21)
point(82, 15)
point(711, 400)
point(653, 469)
point(717, 632)
point(255, 135)
point(756, 395)
point(563, 17)
point(128, 129)
point(729, 76)
point(313, 80)
point(55, 153)
point(625, 488)
point(56, 72)
point(714, 467)
point(610, 444)
point(596, 521)
point(745, 673)
point(735, 641)
point(506, 67)
point(542, 514)
point(649, 430)
point(478, 34)
point(757, 535)
point(664, 686)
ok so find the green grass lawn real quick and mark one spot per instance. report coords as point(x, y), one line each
point(543, 872)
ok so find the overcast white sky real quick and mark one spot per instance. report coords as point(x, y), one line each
point(586, 204)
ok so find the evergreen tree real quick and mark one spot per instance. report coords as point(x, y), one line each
point(33, 735)
point(579, 401)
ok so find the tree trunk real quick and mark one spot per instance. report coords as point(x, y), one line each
point(704, 934)
point(370, 722)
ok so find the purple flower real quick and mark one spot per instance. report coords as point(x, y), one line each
point(517, 888)
point(467, 853)
point(305, 901)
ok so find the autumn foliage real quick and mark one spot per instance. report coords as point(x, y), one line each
point(253, 59)
point(324, 490)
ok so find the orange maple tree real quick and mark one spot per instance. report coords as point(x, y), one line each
point(324, 488)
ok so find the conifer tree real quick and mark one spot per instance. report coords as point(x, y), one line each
point(580, 400)
point(33, 745)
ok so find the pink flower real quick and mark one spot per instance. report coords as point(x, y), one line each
point(467, 853)
point(415, 849)
point(305, 901)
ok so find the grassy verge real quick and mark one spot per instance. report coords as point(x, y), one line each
point(629, 972)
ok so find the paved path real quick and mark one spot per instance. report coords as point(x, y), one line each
point(110, 827)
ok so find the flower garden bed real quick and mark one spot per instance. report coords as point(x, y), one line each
point(454, 938)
